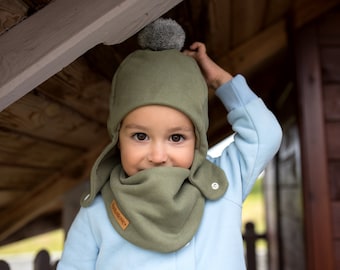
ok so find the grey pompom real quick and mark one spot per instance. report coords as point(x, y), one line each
point(162, 34)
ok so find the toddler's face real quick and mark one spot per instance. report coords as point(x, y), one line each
point(152, 136)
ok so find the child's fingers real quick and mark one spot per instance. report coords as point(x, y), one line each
point(189, 53)
point(198, 46)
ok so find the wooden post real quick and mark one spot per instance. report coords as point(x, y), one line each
point(42, 260)
point(251, 238)
point(4, 265)
point(317, 214)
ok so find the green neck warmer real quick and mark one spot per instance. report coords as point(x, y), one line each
point(161, 199)
point(158, 209)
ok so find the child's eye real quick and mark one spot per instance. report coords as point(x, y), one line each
point(140, 136)
point(176, 138)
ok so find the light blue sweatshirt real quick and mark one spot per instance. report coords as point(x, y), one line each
point(92, 242)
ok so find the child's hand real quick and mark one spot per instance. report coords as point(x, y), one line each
point(214, 75)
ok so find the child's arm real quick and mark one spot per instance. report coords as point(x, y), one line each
point(257, 132)
point(214, 75)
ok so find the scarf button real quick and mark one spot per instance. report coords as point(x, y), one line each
point(215, 186)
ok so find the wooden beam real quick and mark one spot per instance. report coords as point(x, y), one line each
point(306, 11)
point(12, 12)
point(317, 201)
point(247, 19)
point(42, 118)
point(78, 87)
point(247, 57)
point(51, 39)
point(37, 201)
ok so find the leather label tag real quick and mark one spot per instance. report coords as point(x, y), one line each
point(119, 216)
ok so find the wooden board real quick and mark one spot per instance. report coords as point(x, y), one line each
point(330, 59)
point(317, 199)
point(333, 142)
point(81, 89)
point(11, 13)
point(331, 97)
point(40, 117)
point(40, 47)
point(334, 172)
point(252, 14)
point(8, 196)
point(17, 149)
point(38, 200)
point(21, 178)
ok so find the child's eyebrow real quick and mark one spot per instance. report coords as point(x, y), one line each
point(135, 126)
point(173, 129)
point(181, 128)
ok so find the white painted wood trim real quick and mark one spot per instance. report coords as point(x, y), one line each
point(55, 36)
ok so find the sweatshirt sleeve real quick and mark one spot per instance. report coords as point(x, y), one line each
point(235, 93)
point(257, 137)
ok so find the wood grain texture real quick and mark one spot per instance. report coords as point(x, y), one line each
point(40, 47)
point(34, 203)
point(314, 152)
point(56, 73)
point(81, 89)
point(248, 19)
point(18, 149)
point(12, 12)
point(42, 118)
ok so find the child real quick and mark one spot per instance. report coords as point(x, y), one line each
point(156, 201)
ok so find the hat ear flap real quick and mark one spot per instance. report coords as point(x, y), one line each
point(100, 172)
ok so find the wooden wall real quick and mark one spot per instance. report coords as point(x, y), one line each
point(318, 85)
point(284, 192)
point(328, 33)
point(303, 187)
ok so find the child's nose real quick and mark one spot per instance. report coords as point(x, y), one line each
point(158, 154)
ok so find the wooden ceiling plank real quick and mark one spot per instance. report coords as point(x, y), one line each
point(219, 27)
point(21, 178)
point(18, 149)
point(43, 44)
point(37, 4)
point(105, 59)
point(7, 196)
point(307, 10)
point(40, 117)
point(247, 57)
point(247, 19)
point(276, 9)
point(80, 88)
point(328, 34)
point(30, 206)
point(11, 13)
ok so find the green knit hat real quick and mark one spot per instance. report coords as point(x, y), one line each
point(168, 78)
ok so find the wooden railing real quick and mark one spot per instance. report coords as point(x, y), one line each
point(250, 237)
point(42, 261)
point(4, 265)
